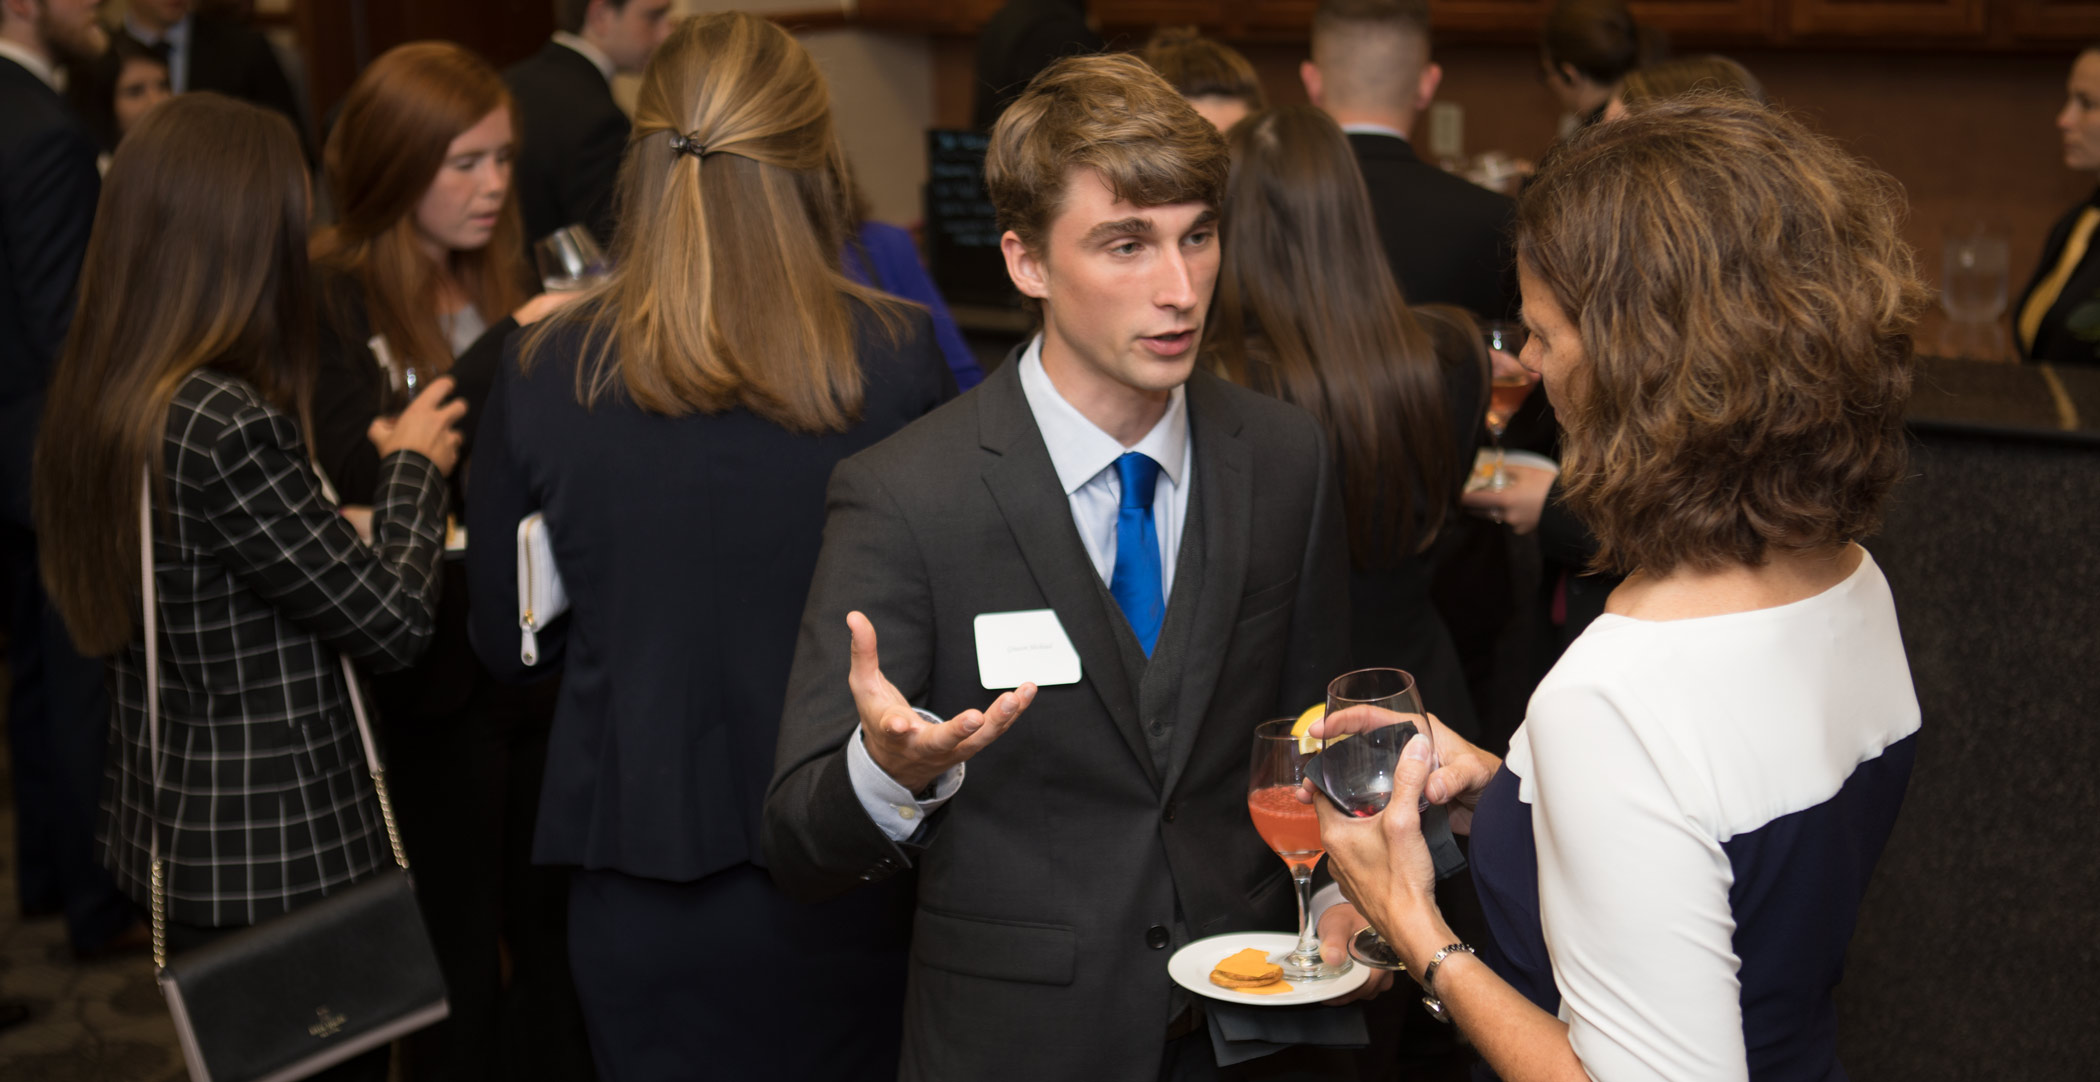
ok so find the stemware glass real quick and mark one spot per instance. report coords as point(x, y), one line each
point(1974, 285)
point(1355, 769)
point(1292, 830)
point(1509, 385)
point(569, 258)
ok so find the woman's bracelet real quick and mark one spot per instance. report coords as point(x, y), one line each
point(1430, 1001)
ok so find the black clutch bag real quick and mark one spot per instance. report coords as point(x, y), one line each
point(293, 996)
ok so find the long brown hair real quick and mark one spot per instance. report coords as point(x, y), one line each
point(397, 122)
point(198, 259)
point(727, 291)
point(1307, 310)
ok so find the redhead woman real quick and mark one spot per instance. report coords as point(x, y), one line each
point(424, 275)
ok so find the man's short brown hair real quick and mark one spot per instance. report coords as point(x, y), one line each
point(1108, 113)
point(1745, 304)
point(1201, 67)
point(1342, 17)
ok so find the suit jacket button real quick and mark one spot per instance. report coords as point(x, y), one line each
point(1173, 807)
point(1156, 937)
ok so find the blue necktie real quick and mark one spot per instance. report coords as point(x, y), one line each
point(1135, 583)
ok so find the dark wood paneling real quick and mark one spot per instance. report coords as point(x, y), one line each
point(1888, 18)
point(2075, 21)
point(339, 37)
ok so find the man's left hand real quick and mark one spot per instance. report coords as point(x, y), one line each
point(1337, 926)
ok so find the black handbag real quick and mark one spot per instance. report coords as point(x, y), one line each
point(291, 997)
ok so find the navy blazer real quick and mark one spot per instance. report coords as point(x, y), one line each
point(1448, 239)
point(48, 188)
point(686, 545)
point(571, 137)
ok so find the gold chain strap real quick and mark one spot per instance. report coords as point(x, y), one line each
point(386, 810)
point(160, 917)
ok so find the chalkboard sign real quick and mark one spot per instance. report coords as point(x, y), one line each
point(962, 231)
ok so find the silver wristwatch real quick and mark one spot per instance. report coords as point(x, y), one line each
point(1435, 1005)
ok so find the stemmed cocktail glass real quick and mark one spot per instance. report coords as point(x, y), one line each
point(1292, 829)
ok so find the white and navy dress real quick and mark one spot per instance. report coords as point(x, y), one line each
point(1673, 855)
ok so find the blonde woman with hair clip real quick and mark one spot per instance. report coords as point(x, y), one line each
point(677, 428)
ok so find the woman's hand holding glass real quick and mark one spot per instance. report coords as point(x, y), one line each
point(1383, 862)
point(428, 426)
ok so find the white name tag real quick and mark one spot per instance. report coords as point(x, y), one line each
point(1015, 648)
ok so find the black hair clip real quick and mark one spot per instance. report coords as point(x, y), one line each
point(686, 144)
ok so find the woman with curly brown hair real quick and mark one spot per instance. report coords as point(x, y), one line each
point(1673, 855)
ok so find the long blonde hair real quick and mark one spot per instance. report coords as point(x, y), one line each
point(197, 260)
point(727, 291)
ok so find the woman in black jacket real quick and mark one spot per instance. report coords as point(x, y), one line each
point(196, 389)
point(424, 274)
point(677, 430)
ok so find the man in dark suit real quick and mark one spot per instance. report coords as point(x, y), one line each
point(1150, 558)
point(571, 133)
point(212, 52)
point(58, 716)
point(1021, 38)
point(1447, 238)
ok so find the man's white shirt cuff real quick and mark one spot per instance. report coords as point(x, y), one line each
point(893, 807)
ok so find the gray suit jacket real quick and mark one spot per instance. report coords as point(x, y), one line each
point(1110, 824)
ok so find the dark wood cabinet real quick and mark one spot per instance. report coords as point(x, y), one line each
point(1747, 20)
point(1983, 25)
point(1888, 18)
point(2074, 22)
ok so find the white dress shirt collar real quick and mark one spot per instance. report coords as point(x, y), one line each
point(1373, 129)
point(45, 71)
point(175, 35)
point(1079, 449)
point(590, 52)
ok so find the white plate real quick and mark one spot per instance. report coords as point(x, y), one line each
point(1484, 465)
point(1191, 965)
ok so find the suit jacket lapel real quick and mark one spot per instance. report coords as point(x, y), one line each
point(1024, 485)
point(1225, 484)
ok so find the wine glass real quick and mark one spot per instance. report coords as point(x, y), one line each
point(1355, 769)
point(569, 258)
point(1508, 386)
point(414, 379)
point(1292, 829)
point(1975, 282)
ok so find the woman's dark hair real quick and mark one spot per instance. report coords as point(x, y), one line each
point(1598, 38)
point(197, 260)
point(1307, 310)
point(91, 84)
point(1744, 301)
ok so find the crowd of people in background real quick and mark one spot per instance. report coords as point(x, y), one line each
point(757, 806)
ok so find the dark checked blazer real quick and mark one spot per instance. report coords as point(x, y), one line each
point(265, 802)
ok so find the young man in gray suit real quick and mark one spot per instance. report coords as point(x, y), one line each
point(1145, 559)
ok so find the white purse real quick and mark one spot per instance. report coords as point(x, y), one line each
point(541, 596)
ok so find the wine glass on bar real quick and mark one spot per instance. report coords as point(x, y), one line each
point(1371, 715)
point(1508, 386)
point(1292, 829)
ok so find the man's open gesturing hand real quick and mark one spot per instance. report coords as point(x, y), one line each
point(906, 746)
